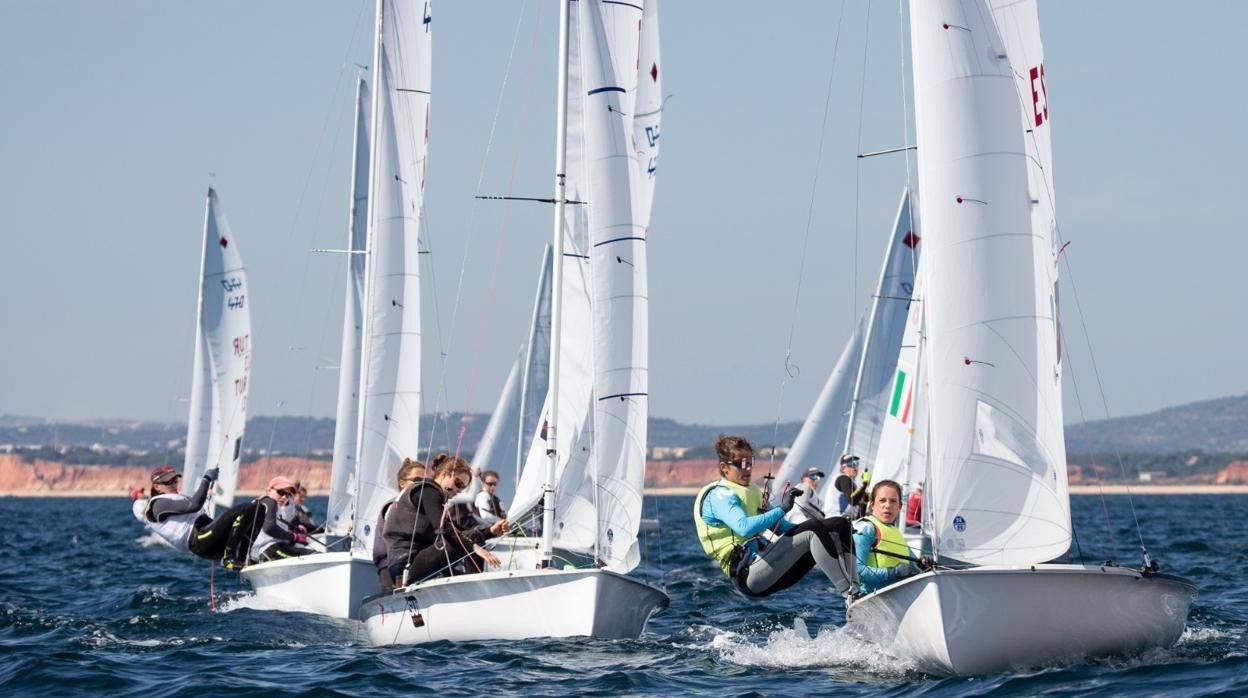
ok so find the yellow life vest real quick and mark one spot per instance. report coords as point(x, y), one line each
point(888, 539)
point(719, 541)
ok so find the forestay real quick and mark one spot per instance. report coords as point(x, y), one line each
point(390, 373)
point(343, 475)
point(998, 477)
point(220, 378)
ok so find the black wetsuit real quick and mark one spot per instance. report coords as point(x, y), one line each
point(422, 539)
point(260, 515)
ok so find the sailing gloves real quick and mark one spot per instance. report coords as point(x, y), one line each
point(212, 474)
point(789, 497)
point(300, 534)
point(926, 563)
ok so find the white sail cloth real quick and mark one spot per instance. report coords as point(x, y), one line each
point(601, 437)
point(997, 491)
point(221, 374)
point(343, 474)
point(389, 426)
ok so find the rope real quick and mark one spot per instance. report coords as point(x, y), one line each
point(790, 369)
point(212, 587)
point(505, 220)
point(862, 90)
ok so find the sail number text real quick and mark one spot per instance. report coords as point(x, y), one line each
point(1039, 95)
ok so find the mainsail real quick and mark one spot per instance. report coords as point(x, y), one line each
point(343, 475)
point(997, 490)
point(390, 361)
point(220, 377)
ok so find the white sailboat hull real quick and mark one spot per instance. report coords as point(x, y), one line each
point(332, 584)
point(996, 619)
point(513, 605)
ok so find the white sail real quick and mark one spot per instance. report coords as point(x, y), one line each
point(500, 441)
point(886, 323)
point(997, 491)
point(536, 380)
point(647, 113)
point(821, 440)
point(222, 361)
point(343, 475)
point(901, 455)
point(390, 371)
point(620, 304)
point(575, 528)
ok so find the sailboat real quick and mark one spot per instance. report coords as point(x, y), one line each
point(584, 468)
point(379, 407)
point(996, 507)
point(221, 373)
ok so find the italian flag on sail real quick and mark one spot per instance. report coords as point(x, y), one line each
point(903, 395)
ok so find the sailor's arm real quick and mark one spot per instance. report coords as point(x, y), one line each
point(725, 507)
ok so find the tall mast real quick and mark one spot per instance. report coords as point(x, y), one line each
point(561, 158)
point(369, 282)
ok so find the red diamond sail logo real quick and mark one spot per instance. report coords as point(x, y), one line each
point(224, 243)
point(910, 240)
point(654, 71)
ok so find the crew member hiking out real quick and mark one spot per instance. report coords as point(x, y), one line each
point(736, 530)
point(180, 519)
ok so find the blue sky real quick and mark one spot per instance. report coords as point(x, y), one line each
point(114, 113)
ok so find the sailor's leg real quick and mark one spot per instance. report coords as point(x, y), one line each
point(834, 552)
point(210, 541)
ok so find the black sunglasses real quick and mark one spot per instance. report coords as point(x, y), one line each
point(286, 493)
point(741, 463)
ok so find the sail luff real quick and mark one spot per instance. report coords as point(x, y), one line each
point(343, 474)
point(198, 424)
point(536, 378)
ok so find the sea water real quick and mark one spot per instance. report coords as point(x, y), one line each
point(87, 609)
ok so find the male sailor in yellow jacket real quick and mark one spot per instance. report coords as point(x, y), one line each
point(760, 551)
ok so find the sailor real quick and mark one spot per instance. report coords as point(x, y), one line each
point(463, 506)
point(738, 532)
point(809, 505)
point(180, 519)
point(882, 553)
point(914, 507)
point(851, 503)
point(265, 528)
point(303, 515)
point(410, 472)
point(489, 506)
point(422, 540)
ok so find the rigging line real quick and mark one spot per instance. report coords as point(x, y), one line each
point(905, 127)
point(307, 182)
point(1096, 372)
point(483, 332)
point(862, 91)
point(1113, 543)
point(789, 368)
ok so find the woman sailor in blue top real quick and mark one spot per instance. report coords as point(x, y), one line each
point(760, 551)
